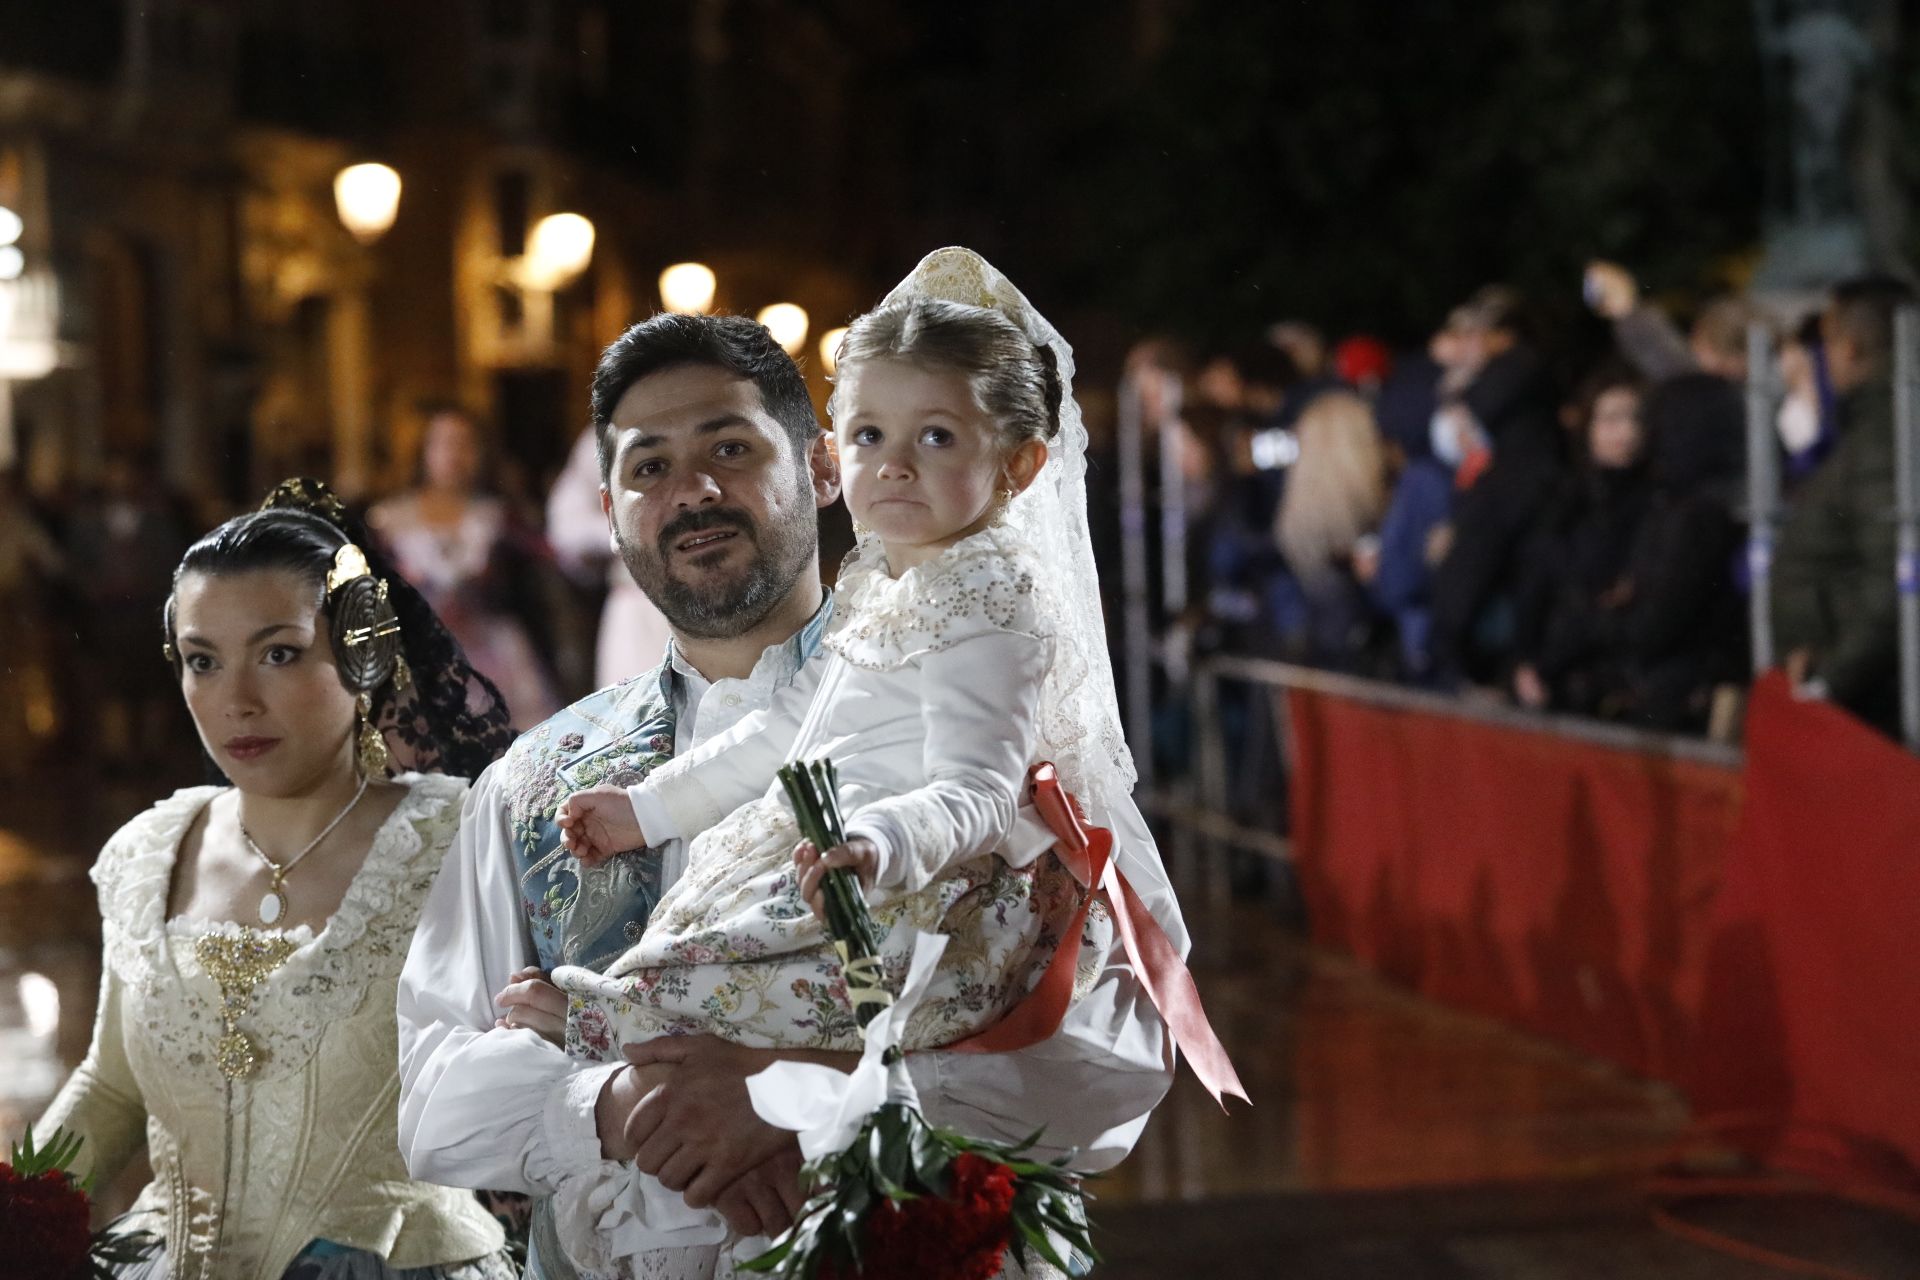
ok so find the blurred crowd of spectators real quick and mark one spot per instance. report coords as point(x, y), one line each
point(1466, 518)
point(1471, 518)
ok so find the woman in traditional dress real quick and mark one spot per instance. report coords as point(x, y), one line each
point(254, 932)
point(474, 562)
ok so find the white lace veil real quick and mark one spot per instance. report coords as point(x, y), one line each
point(1079, 712)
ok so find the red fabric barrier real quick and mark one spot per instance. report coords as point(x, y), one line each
point(1560, 886)
point(1812, 1004)
point(1766, 957)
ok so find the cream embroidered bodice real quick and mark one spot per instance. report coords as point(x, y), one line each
point(260, 1066)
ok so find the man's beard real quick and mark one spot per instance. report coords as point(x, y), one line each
point(719, 609)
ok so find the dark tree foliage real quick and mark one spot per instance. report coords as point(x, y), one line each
point(1370, 164)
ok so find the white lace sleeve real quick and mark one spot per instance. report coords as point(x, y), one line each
point(980, 703)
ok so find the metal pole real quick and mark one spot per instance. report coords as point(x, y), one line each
point(1763, 492)
point(1173, 504)
point(1212, 793)
point(1906, 369)
point(1137, 635)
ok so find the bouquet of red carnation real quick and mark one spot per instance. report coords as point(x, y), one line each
point(891, 1196)
point(43, 1218)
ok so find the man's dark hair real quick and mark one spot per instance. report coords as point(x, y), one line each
point(734, 343)
point(1863, 309)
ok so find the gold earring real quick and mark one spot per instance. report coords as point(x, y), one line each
point(375, 760)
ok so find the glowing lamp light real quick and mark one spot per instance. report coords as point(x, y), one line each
point(367, 197)
point(10, 226)
point(787, 323)
point(41, 1001)
point(829, 344)
point(559, 249)
point(687, 288)
point(12, 262)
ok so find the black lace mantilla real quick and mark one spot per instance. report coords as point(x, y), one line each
point(450, 719)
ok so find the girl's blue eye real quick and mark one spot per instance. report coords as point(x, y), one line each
point(937, 436)
point(866, 435)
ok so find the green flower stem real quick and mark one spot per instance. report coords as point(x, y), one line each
point(813, 787)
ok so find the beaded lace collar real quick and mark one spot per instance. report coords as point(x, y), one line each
point(330, 972)
point(983, 583)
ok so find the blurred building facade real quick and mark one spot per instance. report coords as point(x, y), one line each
point(190, 297)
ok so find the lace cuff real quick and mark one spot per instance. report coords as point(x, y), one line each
point(607, 1210)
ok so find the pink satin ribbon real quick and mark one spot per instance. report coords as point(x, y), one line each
point(1086, 850)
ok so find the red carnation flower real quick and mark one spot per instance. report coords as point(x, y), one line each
point(43, 1219)
point(959, 1236)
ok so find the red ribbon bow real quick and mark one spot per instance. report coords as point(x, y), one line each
point(1087, 850)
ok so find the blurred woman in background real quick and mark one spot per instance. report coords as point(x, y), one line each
point(1335, 497)
point(473, 562)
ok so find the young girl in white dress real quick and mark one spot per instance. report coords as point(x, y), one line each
point(965, 646)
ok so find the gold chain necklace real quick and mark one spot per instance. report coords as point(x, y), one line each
point(274, 905)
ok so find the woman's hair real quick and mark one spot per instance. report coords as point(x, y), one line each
point(434, 709)
point(277, 539)
point(1016, 382)
point(1337, 488)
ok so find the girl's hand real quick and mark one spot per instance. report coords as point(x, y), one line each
point(859, 853)
point(597, 823)
point(533, 1003)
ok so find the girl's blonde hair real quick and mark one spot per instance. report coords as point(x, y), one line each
point(1014, 381)
point(1337, 488)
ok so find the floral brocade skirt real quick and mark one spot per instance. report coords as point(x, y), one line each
point(732, 949)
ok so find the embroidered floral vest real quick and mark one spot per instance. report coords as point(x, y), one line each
point(578, 914)
point(590, 915)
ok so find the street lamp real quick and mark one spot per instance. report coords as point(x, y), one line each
point(687, 288)
point(787, 323)
point(368, 198)
point(829, 346)
point(12, 261)
point(559, 249)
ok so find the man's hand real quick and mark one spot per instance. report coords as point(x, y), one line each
point(1529, 690)
point(620, 1096)
point(698, 1132)
point(765, 1200)
point(1800, 675)
point(1610, 290)
point(597, 823)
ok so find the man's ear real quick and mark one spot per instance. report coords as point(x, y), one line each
point(823, 463)
point(606, 509)
point(1024, 463)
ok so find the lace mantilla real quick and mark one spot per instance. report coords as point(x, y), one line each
point(328, 976)
point(984, 583)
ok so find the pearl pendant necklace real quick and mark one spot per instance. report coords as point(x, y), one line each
point(274, 905)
